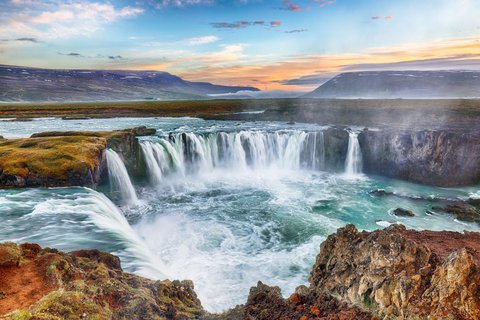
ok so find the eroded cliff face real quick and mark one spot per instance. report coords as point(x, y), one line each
point(68, 158)
point(335, 146)
point(393, 273)
point(40, 283)
point(435, 157)
point(402, 274)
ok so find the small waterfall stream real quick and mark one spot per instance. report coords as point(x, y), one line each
point(353, 162)
point(119, 179)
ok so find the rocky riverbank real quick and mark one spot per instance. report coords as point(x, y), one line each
point(386, 274)
point(68, 158)
point(40, 283)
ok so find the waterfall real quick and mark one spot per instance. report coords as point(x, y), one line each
point(184, 153)
point(353, 162)
point(119, 179)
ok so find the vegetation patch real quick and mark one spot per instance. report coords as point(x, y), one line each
point(50, 157)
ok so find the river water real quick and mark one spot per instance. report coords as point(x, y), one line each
point(226, 204)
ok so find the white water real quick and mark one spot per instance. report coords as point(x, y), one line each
point(235, 203)
point(353, 162)
point(239, 151)
point(120, 179)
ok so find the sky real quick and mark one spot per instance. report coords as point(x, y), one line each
point(272, 45)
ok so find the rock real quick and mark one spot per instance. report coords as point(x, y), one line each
point(461, 210)
point(400, 273)
point(143, 131)
point(79, 158)
point(75, 118)
point(434, 157)
point(89, 284)
point(10, 255)
point(403, 212)
point(335, 146)
point(381, 193)
point(474, 201)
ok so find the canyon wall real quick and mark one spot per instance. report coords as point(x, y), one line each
point(435, 157)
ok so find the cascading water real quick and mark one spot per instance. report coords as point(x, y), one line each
point(234, 208)
point(191, 152)
point(353, 162)
point(119, 178)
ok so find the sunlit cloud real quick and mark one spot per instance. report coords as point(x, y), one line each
point(307, 72)
point(202, 40)
point(63, 20)
point(289, 6)
point(324, 3)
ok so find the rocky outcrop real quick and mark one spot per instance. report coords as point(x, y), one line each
point(435, 157)
point(52, 161)
point(335, 146)
point(402, 274)
point(40, 283)
point(266, 303)
point(393, 273)
point(68, 158)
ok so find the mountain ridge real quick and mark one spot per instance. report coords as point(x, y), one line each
point(29, 84)
point(401, 84)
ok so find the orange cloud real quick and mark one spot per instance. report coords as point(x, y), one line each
point(435, 55)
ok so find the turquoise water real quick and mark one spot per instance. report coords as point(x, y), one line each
point(222, 226)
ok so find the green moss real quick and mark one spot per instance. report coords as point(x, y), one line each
point(50, 157)
point(62, 304)
point(10, 254)
point(21, 315)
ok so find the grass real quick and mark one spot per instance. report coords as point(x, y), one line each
point(52, 157)
point(399, 112)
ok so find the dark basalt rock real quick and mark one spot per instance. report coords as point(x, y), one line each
point(336, 146)
point(435, 157)
point(461, 210)
point(403, 212)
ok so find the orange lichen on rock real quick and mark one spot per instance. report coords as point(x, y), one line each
point(48, 284)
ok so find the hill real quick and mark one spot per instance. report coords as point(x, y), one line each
point(401, 84)
point(35, 85)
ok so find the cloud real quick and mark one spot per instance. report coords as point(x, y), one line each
point(202, 40)
point(98, 56)
point(180, 3)
point(275, 23)
point(244, 23)
point(289, 6)
point(324, 3)
point(62, 20)
point(34, 40)
point(388, 18)
point(296, 31)
point(307, 72)
point(72, 54)
point(23, 39)
point(229, 53)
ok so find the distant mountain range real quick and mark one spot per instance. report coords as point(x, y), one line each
point(400, 84)
point(34, 84)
